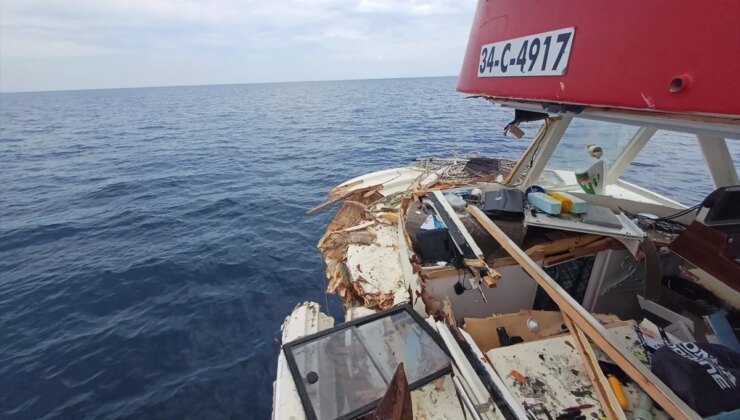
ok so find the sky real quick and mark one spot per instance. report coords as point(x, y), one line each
point(88, 44)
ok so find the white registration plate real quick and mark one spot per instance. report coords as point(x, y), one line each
point(544, 54)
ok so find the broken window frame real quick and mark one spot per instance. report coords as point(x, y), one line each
point(298, 379)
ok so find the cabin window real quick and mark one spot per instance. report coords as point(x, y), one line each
point(345, 371)
point(572, 155)
point(672, 164)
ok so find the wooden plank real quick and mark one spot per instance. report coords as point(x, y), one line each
point(568, 244)
point(435, 273)
point(653, 386)
point(592, 248)
point(711, 283)
point(607, 399)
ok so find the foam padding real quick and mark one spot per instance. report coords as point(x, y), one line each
point(544, 203)
point(569, 203)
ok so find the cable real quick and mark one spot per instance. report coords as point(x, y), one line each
point(681, 213)
point(461, 279)
point(660, 224)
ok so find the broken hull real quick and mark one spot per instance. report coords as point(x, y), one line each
point(372, 259)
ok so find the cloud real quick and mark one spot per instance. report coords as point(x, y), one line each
point(376, 34)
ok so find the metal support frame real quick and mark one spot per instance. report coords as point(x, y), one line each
point(633, 148)
point(550, 140)
point(719, 125)
point(719, 160)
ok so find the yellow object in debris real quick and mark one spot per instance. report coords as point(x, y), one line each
point(569, 203)
point(618, 391)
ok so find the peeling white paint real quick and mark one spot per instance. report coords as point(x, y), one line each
point(378, 264)
point(648, 100)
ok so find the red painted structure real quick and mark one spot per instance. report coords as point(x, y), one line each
point(624, 54)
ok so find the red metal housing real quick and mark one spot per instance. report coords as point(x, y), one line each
point(662, 55)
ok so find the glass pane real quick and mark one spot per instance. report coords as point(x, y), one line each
point(399, 338)
point(347, 378)
point(352, 367)
point(672, 164)
point(572, 154)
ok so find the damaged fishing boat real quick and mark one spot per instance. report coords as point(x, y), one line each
point(548, 287)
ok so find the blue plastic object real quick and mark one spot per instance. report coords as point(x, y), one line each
point(544, 202)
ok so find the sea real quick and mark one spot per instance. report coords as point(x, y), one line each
point(153, 240)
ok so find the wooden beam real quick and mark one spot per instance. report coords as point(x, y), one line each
point(435, 273)
point(608, 400)
point(653, 386)
point(540, 251)
point(588, 249)
point(566, 244)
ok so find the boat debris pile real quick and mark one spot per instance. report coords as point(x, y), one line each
point(504, 274)
point(362, 242)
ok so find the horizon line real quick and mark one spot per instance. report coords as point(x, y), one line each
point(222, 84)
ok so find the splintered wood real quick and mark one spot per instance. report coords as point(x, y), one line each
point(605, 394)
point(335, 241)
point(345, 192)
point(565, 249)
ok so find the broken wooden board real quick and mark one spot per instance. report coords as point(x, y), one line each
point(587, 249)
point(387, 182)
point(604, 392)
point(711, 283)
point(567, 247)
point(335, 241)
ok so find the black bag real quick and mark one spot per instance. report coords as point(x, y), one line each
point(434, 245)
point(703, 375)
point(504, 203)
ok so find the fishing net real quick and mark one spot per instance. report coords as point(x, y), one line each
point(464, 169)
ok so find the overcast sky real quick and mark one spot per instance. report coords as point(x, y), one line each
point(81, 44)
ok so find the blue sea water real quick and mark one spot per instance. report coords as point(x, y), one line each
point(153, 240)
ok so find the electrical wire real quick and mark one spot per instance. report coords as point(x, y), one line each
point(663, 224)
